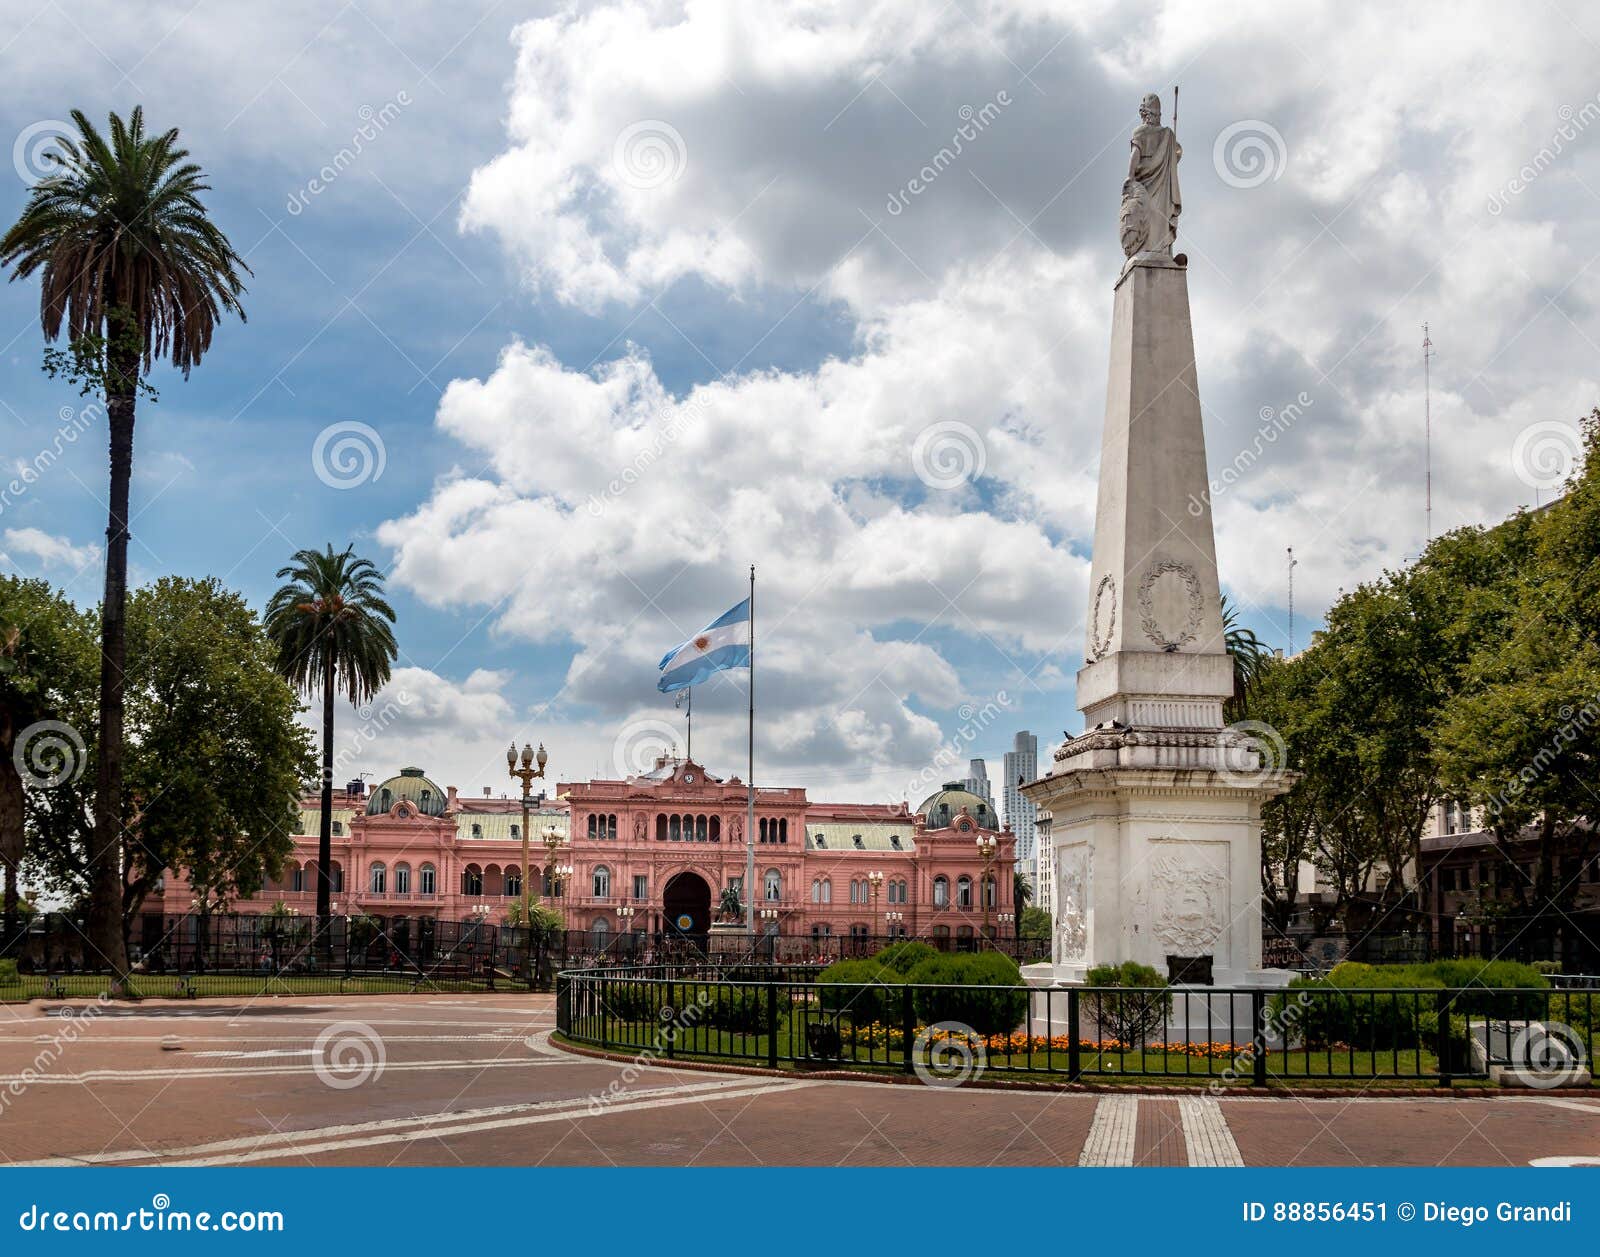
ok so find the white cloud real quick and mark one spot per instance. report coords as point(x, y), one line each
point(985, 301)
point(45, 550)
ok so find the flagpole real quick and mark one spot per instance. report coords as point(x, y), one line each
point(688, 750)
point(750, 776)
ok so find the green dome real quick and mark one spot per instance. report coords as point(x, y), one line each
point(941, 809)
point(411, 784)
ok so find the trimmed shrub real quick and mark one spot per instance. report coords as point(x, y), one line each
point(861, 991)
point(739, 1009)
point(8, 973)
point(902, 958)
point(991, 998)
point(1129, 1016)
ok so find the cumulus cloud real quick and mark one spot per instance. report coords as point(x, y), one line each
point(38, 548)
point(949, 177)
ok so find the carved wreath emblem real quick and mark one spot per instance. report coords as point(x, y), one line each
point(1147, 604)
point(1105, 612)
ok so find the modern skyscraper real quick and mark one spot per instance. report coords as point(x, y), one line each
point(1021, 764)
point(977, 781)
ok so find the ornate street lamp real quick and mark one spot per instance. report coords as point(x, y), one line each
point(891, 920)
point(875, 883)
point(525, 774)
point(987, 847)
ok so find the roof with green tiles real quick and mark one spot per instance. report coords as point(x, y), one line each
point(860, 836)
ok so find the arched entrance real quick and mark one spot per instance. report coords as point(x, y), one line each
point(686, 904)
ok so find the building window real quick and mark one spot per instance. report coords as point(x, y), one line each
point(297, 878)
point(822, 930)
point(661, 828)
point(602, 881)
point(600, 929)
point(477, 830)
point(338, 829)
point(858, 931)
point(428, 879)
point(822, 842)
point(716, 829)
point(963, 892)
point(641, 886)
point(821, 890)
point(472, 880)
point(989, 893)
point(857, 843)
point(783, 831)
point(941, 892)
point(773, 885)
point(516, 830)
point(894, 841)
point(594, 825)
point(941, 931)
point(336, 878)
point(402, 879)
point(513, 883)
point(611, 826)
point(375, 879)
point(675, 829)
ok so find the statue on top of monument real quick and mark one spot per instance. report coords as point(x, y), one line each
point(1150, 199)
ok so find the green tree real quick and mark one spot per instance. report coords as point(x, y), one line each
point(134, 270)
point(330, 626)
point(216, 756)
point(46, 646)
point(1034, 923)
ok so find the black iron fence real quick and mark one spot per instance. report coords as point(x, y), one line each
point(784, 1017)
point(241, 954)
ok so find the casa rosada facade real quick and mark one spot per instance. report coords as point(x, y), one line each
point(653, 853)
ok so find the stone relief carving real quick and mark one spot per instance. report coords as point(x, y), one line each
point(1103, 620)
point(1074, 881)
point(1190, 890)
point(1157, 632)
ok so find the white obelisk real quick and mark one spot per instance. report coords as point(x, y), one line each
point(1156, 806)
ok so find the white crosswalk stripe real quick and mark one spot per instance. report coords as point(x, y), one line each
point(1205, 1131)
point(1111, 1135)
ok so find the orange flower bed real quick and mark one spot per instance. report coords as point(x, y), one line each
point(876, 1036)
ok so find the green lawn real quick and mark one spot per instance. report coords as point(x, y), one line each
point(1319, 1067)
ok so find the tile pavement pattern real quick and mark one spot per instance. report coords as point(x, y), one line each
point(474, 1080)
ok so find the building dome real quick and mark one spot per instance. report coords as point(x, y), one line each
point(411, 785)
point(941, 809)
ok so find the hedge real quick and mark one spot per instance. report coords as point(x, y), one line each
point(1130, 1016)
point(983, 990)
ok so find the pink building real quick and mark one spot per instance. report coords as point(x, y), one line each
point(665, 845)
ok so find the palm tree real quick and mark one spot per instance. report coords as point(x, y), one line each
point(330, 628)
point(135, 271)
point(1249, 653)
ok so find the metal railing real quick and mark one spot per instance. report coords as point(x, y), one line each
point(1311, 1035)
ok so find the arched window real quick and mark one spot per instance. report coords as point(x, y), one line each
point(297, 878)
point(963, 892)
point(600, 929)
point(762, 827)
point(336, 877)
point(772, 886)
point(513, 882)
point(941, 892)
point(661, 827)
point(716, 829)
point(675, 829)
point(783, 831)
point(594, 826)
point(859, 931)
point(428, 879)
point(699, 829)
point(611, 825)
point(472, 880)
point(402, 879)
point(989, 890)
point(375, 879)
point(821, 890)
point(602, 881)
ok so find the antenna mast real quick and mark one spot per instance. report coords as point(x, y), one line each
point(1292, 562)
point(1427, 427)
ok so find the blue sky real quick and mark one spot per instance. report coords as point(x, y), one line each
point(503, 286)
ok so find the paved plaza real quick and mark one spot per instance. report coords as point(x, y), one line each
point(475, 1081)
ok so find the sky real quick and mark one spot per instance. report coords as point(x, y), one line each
point(568, 315)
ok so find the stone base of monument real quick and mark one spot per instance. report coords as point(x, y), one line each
point(1220, 1013)
point(729, 938)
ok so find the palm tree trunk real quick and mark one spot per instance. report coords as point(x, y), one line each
point(12, 843)
point(325, 835)
point(106, 929)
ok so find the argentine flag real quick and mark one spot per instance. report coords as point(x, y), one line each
point(722, 644)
